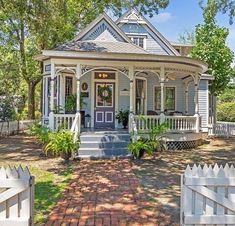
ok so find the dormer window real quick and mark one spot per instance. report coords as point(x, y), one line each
point(138, 40)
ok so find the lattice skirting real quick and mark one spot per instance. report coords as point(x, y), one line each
point(179, 145)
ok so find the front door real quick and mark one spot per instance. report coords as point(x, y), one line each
point(104, 105)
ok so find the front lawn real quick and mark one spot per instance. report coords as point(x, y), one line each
point(160, 177)
point(51, 175)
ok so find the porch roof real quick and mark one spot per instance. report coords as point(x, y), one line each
point(123, 59)
point(101, 46)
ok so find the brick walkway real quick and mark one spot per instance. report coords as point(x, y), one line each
point(105, 193)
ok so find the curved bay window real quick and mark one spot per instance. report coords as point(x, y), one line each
point(140, 93)
point(169, 98)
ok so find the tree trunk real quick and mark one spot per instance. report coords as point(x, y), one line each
point(31, 100)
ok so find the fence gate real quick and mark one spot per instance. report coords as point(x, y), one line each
point(16, 197)
point(208, 196)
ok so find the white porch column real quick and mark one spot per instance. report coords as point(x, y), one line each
point(131, 108)
point(196, 83)
point(186, 85)
point(52, 89)
point(162, 84)
point(78, 114)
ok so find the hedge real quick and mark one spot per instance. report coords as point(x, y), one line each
point(226, 112)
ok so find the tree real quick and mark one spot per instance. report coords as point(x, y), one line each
point(224, 6)
point(188, 37)
point(211, 47)
point(27, 27)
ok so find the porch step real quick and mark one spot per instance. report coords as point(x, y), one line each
point(104, 145)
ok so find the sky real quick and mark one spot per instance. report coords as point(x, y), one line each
point(182, 15)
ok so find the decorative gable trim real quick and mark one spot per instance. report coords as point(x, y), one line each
point(133, 16)
point(94, 30)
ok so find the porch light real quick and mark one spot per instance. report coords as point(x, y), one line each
point(103, 75)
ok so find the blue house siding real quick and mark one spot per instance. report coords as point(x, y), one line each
point(153, 44)
point(87, 78)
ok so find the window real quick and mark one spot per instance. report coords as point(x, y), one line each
point(139, 41)
point(169, 98)
point(68, 86)
point(140, 96)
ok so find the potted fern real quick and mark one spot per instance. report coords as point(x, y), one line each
point(122, 117)
point(61, 144)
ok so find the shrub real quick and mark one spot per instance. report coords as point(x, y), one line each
point(138, 148)
point(61, 143)
point(7, 111)
point(41, 132)
point(226, 112)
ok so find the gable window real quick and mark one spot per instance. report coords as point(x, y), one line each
point(169, 98)
point(138, 40)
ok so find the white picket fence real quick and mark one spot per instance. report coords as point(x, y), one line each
point(16, 197)
point(11, 127)
point(208, 196)
point(222, 129)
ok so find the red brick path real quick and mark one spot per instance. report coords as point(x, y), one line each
point(102, 194)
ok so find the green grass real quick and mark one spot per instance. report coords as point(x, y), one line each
point(48, 189)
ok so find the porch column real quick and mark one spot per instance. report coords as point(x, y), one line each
point(162, 84)
point(52, 91)
point(186, 85)
point(131, 107)
point(78, 113)
point(196, 83)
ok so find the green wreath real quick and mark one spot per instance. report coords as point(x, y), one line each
point(105, 93)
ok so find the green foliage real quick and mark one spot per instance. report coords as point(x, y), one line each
point(138, 147)
point(211, 47)
point(41, 132)
point(61, 142)
point(228, 95)
point(7, 111)
point(188, 37)
point(224, 6)
point(123, 117)
point(71, 103)
point(226, 112)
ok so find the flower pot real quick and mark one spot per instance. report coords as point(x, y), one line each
point(125, 123)
point(65, 156)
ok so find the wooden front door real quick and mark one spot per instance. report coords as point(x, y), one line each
point(104, 105)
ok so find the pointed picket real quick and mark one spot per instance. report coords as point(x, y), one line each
point(194, 170)
point(210, 172)
point(188, 171)
point(200, 172)
point(24, 197)
point(3, 207)
point(13, 202)
point(216, 169)
point(231, 171)
point(221, 172)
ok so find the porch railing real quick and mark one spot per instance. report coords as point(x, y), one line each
point(64, 121)
point(175, 123)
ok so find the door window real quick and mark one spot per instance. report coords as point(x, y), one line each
point(104, 95)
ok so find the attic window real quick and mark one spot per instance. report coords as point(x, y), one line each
point(138, 40)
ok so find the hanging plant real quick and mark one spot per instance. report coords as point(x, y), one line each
point(105, 93)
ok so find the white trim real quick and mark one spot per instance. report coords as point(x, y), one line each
point(146, 93)
point(108, 112)
point(165, 86)
point(136, 35)
point(113, 95)
point(116, 85)
point(98, 112)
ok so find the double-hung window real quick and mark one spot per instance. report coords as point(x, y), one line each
point(169, 98)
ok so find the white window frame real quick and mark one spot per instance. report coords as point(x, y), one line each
point(168, 86)
point(144, 37)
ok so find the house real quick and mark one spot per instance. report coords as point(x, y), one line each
point(127, 64)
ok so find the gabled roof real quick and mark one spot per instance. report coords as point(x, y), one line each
point(133, 16)
point(95, 22)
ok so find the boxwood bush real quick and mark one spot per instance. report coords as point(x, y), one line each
point(226, 112)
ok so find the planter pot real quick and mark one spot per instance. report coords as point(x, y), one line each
point(125, 123)
point(66, 156)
